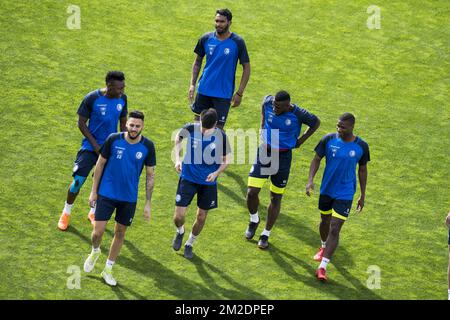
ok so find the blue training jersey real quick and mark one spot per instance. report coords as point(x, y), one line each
point(124, 165)
point(288, 124)
point(203, 153)
point(103, 114)
point(339, 177)
point(217, 79)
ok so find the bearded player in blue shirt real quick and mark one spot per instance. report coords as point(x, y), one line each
point(98, 117)
point(281, 125)
point(222, 49)
point(343, 151)
point(115, 187)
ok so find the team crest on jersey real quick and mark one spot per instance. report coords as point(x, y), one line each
point(226, 51)
point(211, 49)
point(288, 122)
point(352, 153)
point(119, 107)
point(178, 198)
point(138, 155)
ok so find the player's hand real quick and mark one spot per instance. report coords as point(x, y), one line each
point(212, 176)
point(309, 188)
point(178, 166)
point(147, 211)
point(93, 199)
point(360, 205)
point(447, 220)
point(191, 93)
point(236, 100)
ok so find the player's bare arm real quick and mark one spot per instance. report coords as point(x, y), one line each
point(82, 125)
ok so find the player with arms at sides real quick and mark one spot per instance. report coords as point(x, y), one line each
point(115, 187)
point(343, 152)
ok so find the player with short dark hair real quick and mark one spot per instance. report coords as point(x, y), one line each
point(103, 109)
point(115, 188)
point(222, 49)
point(206, 157)
point(343, 151)
point(281, 125)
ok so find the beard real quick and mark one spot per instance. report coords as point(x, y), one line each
point(222, 31)
point(131, 137)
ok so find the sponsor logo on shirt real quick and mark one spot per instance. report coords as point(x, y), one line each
point(103, 111)
point(334, 150)
point(138, 155)
point(211, 49)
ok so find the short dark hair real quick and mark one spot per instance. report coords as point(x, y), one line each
point(114, 75)
point(282, 96)
point(225, 13)
point(347, 117)
point(136, 114)
point(208, 118)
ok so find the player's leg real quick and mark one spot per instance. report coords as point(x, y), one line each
point(278, 183)
point(185, 193)
point(84, 163)
point(325, 208)
point(340, 212)
point(255, 182)
point(201, 103)
point(448, 268)
point(222, 107)
point(206, 200)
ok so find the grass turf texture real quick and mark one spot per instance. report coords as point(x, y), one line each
point(395, 80)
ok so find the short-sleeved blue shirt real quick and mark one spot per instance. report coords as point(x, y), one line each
point(288, 124)
point(339, 177)
point(203, 153)
point(103, 114)
point(124, 165)
point(217, 79)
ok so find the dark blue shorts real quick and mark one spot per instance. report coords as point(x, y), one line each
point(84, 163)
point(124, 210)
point(449, 236)
point(337, 208)
point(222, 106)
point(206, 194)
point(279, 173)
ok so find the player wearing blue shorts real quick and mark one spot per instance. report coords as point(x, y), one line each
point(115, 187)
point(207, 156)
point(281, 125)
point(222, 49)
point(343, 151)
point(103, 109)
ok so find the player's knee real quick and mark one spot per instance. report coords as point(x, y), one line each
point(119, 234)
point(77, 183)
point(275, 198)
point(201, 216)
point(334, 230)
point(252, 193)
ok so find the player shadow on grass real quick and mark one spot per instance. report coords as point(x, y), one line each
point(242, 292)
point(164, 278)
point(119, 289)
point(331, 287)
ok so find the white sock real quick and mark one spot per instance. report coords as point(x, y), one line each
point(324, 263)
point(448, 294)
point(109, 264)
point(254, 217)
point(68, 208)
point(92, 210)
point(191, 239)
point(95, 250)
point(324, 244)
point(180, 230)
point(265, 232)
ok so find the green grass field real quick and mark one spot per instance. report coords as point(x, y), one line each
point(395, 80)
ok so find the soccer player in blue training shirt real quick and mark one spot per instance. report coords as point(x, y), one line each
point(207, 156)
point(103, 108)
point(343, 151)
point(281, 124)
point(223, 49)
point(115, 187)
